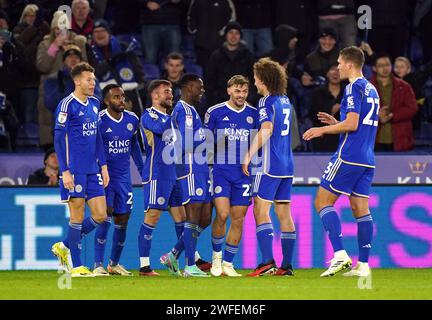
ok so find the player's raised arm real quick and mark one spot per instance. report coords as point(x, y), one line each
point(149, 122)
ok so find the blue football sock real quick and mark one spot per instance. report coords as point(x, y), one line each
point(144, 240)
point(88, 225)
point(265, 240)
point(332, 225)
point(74, 241)
point(179, 226)
point(100, 241)
point(217, 243)
point(229, 252)
point(190, 235)
point(119, 238)
point(179, 246)
point(288, 240)
point(364, 237)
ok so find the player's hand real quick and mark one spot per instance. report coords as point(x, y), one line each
point(68, 180)
point(105, 176)
point(326, 118)
point(384, 114)
point(245, 165)
point(312, 133)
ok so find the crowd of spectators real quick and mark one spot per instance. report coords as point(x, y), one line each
point(135, 41)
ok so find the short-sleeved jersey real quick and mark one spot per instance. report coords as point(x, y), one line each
point(277, 154)
point(157, 135)
point(357, 148)
point(117, 137)
point(80, 121)
point(190, 136)
point(232, 130)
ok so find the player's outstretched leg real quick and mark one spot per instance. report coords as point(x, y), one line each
point(364, 236)
point(144, 246)
point(330, 219)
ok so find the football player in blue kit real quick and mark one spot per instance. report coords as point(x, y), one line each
point(84, 174)
point(119, 129)
point(350, 171)
point(232, 123)
point(273, 181)
point(192, 168)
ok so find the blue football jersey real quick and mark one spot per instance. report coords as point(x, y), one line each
point(189, 137)
point(277, 154)
point(157, 137)
point(79, 121)
point(119, 137)
point(357, 148)
point(232, 130)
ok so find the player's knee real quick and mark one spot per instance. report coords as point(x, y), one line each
point(221, 218)
point(237, 222)
point(99, 218)
point(121, 220)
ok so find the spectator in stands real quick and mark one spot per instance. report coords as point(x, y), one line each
point(8, 124)
point(417, 79)
point(160, 27)
point(116, 62)
point(10, 61)
point(340, 16)
point(48, 175)
point(319, 61)
point(232, 58)
point(60, 84)
point(174, 69)
point(390, 25)
point(14, 9)
point(327, 99)
point(397, 108)
point(49, 59)
point(207, 20)
point(422, 24)
point(284, 51)
point(301, 14)
point(256, 18)
point(82, 23)
point(29, 32)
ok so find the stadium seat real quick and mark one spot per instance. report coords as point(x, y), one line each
point(27, 137)
point(194, 68)
point(367, 71)
point(151, 71)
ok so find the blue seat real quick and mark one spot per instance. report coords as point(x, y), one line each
point(194, 68)
point(151, 71)
point(367, 71)
point(27, 136)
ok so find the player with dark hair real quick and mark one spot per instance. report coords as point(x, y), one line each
point(192, 169)
point(350, 170)
point(273, 181)
point(231, 123)
point(80, 152)
point(119, 129)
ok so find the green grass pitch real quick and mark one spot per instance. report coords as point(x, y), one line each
point(306, 284)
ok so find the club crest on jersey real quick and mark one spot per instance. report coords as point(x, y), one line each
point(62, 117)
point(263, 114)
point(78, 188)
point(249, 120)
point(95, 109)
point(189, 120)
point(161, 200)
point(199, 192)
point(218, 189)
point(126, 74)
point(129, 126)
point(206, 117)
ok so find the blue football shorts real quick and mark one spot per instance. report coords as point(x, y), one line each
point(230, 182)
point(272, 189)
point(119, 196)
point(87, 186)
point(351, 180)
